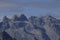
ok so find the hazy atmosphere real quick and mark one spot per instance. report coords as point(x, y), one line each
point(30, 7)
point(29, 19)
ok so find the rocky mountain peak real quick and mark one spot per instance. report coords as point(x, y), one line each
point(5, 19)
point(23, 18)
point(49, 18)
point(20, 17)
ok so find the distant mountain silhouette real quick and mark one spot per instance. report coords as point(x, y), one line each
point(33, 28)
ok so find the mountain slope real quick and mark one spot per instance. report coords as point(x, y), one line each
point(34, 28)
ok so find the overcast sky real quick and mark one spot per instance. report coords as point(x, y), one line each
point(30, 7)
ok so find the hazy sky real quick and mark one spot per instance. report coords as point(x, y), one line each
point(30, 7)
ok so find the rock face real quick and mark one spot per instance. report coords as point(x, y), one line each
point(21, 17)
point(33, 28)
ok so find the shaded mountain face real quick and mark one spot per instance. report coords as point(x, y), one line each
point(33, 28)
point(21, 17)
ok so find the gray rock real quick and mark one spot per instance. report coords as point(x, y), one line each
point(34, 28)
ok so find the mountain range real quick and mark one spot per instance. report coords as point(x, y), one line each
point(33, 28)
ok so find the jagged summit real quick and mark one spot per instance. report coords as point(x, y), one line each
point(23, 18)
point(49, 18)
point(15, 18)
point(5, 19)
point(33, 19)
point(20, 17)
